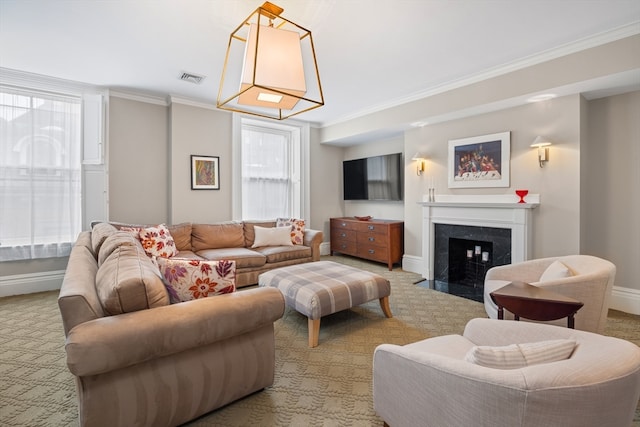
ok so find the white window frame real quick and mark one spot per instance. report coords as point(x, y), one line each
point(302, 129)
point(94, 184)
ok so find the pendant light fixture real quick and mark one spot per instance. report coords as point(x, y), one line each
point(270, 68)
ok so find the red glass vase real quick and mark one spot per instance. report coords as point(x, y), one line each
point(522, 193)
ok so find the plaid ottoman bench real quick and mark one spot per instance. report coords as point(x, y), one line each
point(316, 289)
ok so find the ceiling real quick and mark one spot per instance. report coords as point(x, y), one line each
point(371, 54)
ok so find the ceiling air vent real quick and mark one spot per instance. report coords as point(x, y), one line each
point(193, 78)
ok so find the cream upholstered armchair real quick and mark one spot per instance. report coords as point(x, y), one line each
point(431, 383)
point(585, 278)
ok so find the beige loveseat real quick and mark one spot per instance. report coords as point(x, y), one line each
point(155, 363)
point(432, 383)
point(233, 240)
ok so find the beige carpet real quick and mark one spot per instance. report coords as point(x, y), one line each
point(326, 386)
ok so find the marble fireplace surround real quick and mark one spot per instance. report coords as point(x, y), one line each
point(497, 211)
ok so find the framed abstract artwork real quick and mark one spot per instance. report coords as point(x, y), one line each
point(480, 161)
point(205, 172)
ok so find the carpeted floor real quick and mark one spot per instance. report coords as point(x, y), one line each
point(326, 386)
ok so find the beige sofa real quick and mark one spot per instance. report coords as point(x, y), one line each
point(430, 382)
point(155, 363)
point(589, 280)
point(232, 240)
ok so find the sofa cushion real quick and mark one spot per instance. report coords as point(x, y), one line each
point(114, 241)
point(181, 235)
point(187, 255)
point(284, 253)
point(274, 236)
point(556, 270)
point(516, 356)
point(194, 279)
point(296, 226)
point(129, 281)
point(244, 258)
point(214, 236)
point(249, 230)
point(157, 241)
point(99, 233)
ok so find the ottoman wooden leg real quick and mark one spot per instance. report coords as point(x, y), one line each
point(384, 304)
point(314, 331)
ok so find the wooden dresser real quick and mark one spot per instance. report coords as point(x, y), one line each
point(379, 240)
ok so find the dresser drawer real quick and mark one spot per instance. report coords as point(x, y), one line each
point(344, 246)
point(372, 239)
point(370, 227)
point(375, 253)
point(343, 234)
point(342, 224)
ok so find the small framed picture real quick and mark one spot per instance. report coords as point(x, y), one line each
point(205, 172)
point(480, 161)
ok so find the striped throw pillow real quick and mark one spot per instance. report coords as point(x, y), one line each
point(516, 356)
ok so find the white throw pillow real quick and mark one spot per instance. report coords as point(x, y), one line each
point(274, 236)
point(557, 270)
point(516, 356)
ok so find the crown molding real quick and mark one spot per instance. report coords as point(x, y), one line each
point(548, 55)
point(19, 78)
point(149, 99)
point(173, 99)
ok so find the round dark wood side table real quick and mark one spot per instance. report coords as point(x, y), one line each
point(535, 303)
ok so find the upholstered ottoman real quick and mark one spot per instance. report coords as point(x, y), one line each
point(316, 289)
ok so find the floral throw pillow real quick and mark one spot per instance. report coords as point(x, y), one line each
point(297, 228)
point(190, 279)
point(157, 241)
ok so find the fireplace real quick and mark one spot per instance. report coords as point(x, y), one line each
point(463, 254)
point(464, 236)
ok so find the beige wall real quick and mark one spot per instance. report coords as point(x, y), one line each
point(611, 185)
point(204, 132)
point(326, 183)
point(138, 164)
point(558, 182)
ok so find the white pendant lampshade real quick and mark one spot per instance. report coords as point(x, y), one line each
point(276, 63)
point(270, 68)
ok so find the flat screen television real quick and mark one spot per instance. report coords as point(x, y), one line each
point(373, 178)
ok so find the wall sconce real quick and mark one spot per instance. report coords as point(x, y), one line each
point(542, 144)
point(270, 69)
point(419, 157)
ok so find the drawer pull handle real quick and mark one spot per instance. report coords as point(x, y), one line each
point(343, 234)
point(344, 246)
point(371, 251)
point(372, 227)
point(372, 239)
point(343, 224)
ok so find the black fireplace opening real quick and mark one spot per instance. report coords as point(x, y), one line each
point(469, 261)
point(463, 255)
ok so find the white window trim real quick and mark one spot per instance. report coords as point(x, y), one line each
point(95, 201)
point(236, 156)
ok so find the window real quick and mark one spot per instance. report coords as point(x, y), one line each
point(40, 173)
point(271, 160)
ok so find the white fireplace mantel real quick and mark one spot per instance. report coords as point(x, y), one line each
point(498, 211)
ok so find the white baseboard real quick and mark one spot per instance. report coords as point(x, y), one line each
point(625, 299)
point(325, 248)
point(20, 284)
point(412, 263)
